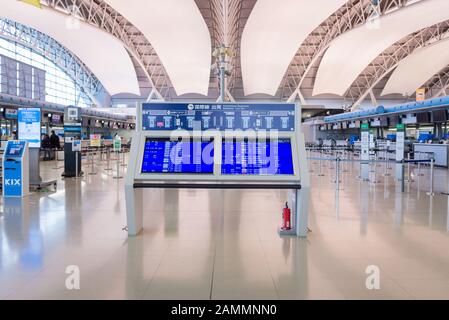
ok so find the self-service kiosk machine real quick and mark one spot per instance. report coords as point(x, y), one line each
point(72, 140)
point(218, 146)
point(16, 169)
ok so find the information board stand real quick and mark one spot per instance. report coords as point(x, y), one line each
point(218, 146)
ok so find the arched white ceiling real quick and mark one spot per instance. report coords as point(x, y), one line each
point(179, 35)
point(103, 54)
point(416, 69)
point(273, 34)
point(353, 51)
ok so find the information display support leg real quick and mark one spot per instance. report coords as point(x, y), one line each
point(302, 209)
point(134, 213)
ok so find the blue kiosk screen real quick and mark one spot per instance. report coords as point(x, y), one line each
point(243, 157)
point(15, 149)
point(161, 155)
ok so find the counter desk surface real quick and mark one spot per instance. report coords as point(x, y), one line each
point(440, 152)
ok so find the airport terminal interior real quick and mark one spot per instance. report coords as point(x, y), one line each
point(224, 149)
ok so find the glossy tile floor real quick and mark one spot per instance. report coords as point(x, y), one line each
point(224, 245)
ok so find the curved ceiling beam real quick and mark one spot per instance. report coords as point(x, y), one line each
point(438, 85)
point(79, 37)
point(272, 36)
point(352, 14)
point(179, 35)
point(227, 32)
point(390, 59)
point(55, 52)
point(417, 69)
point(349, 54)
point(103, 16)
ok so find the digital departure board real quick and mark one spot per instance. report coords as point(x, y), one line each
point(250, 157)
point(161, 155)
point(173, 116)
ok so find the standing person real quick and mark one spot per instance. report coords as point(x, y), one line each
point(46, 147)
point(55, 143)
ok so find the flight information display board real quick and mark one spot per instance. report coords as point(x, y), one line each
point(161, 155)
point(173, 116)
point(250, 157)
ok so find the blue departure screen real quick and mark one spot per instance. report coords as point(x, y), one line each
point(164, 156)
point(243, 157)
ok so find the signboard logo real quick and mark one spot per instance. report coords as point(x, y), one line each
point(421, 94)
point(190, 107)
point(12, 182)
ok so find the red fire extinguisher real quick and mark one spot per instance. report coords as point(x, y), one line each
point(286, 216)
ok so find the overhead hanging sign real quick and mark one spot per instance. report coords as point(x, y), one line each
point(95, 140)
point(421, 94)
point(10, 113)
point(29, 126)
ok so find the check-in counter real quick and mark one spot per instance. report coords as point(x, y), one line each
point(440, 151)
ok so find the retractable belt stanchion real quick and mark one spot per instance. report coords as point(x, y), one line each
point(419, 164)
point(118, 176)
point(108, 160)
point(386, 174)
point(345, 165)
point(403, 177)
point(123, 158)
point(337, 173)
point(409, 174)
point(432, 174)
point(320, 173)
point(92, 170)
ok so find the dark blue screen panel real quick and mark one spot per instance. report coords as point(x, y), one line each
point(218, 116)
point(15, 149)
point(264, 158)
point(191, 157)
